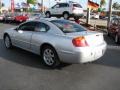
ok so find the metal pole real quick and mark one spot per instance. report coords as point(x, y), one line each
point(88, 15)
point(42, 6)
point(109, 13)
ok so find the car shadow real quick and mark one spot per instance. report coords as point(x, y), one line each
point(23, 57)
point(110, 59)
point(112, 55)
point(110, 41)
point(26, 58)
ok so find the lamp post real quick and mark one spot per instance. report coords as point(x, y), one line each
point(109, 13)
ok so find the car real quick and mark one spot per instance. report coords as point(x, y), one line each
point(36, 16)
point(71, 9)
point(9, 17)
point(21, 18)
point(56, 41)
point(94, 16)
point(2, 16)
point(114, 29)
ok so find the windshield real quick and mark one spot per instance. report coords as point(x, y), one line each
point(68, 26)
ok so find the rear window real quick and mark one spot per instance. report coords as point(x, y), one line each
point(77, 5)
point(68, 26)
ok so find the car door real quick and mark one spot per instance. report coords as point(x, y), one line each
point(55, 9)
point(39, 36)
point(22, 35)
point(62, 8)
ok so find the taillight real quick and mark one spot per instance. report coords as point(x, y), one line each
point(79, 42)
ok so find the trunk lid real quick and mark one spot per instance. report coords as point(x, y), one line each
point(92, 38)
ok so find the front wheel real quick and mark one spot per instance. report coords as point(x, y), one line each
point(48, 14)
point(7, 42)
point(50, 57)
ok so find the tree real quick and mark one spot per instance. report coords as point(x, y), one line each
point(102, 3)
point(116, 6)
point(32, 2)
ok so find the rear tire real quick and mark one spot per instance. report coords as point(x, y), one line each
point(66, 15)
point(50, 57)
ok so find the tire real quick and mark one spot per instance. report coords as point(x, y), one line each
point(76, 18)
point(66, 15)
point(7, 42)
point(48, 15)
point(117, 39)
point(50, 57)
point(108, 34)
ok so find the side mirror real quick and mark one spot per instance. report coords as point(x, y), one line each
point(16, 29)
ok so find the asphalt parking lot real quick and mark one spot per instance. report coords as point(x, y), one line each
point(22, 70)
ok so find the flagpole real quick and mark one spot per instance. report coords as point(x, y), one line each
point(110, 13)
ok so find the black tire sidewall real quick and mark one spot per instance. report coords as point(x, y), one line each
point(49, 14)
point(67, 17)
point(9, 41)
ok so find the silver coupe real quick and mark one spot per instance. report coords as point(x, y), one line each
point(57, 41)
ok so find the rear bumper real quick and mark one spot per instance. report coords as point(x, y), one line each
point(83, 55)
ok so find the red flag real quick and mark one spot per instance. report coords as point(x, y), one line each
point(92, 5)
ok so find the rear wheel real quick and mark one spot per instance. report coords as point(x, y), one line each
point(50, 57)
point(7, 42)
point(66, 15)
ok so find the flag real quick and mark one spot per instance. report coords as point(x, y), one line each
point(93, 5)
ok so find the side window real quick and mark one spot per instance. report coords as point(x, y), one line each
point(29, 26)
point(64, 5)
point(42, 27)
point(56, 6)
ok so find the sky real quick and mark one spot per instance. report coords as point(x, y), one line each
point(49, 3)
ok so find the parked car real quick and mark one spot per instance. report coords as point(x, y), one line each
point(36, 16)
point(9, 17)
point(2, 16)
point(94, 16)
point(114, 29)
point(66, 10)
point(57, 41)
point(21, 18)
